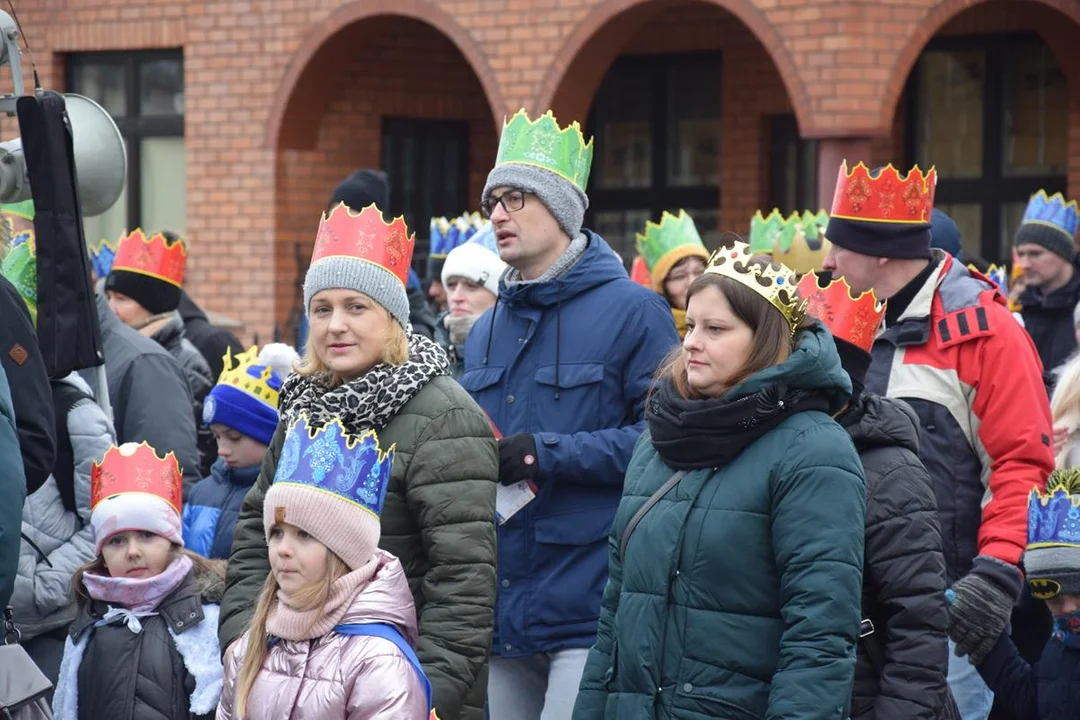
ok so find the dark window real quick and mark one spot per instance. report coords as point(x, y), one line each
point(991, 113)
point(144, 93)
point(656, 124)
point(428, 165)
point(792, 167)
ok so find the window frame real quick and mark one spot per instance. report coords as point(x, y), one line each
point(780, 132)
point(133, 127)
point(994, 189)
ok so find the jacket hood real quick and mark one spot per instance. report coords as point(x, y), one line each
point(170, 335)
point(385, 598)
point(813, 365)
point(76, 381)
point(188, 309)
point(873, 421)
point(598, 265)
point(1065, 296)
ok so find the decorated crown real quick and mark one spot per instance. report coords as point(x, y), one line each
point(329, 459)
point(19, 266)
point(672, 233)
point(365, 236)
point(447, 234)
point(251, 376)
point(1054, 515)
point(797, 241)
point(485, 237)
point(639, 272)
point(154, 256)
point(132, 468)
point(884, 196)
point(995, 274)
point(102, 254)
point(1053, 212)
point(852, 319)
point(772, 281)
point(543, 144)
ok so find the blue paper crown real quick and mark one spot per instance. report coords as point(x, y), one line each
point(329, 459)
point(1053, 519)
point(449, 233)
point(102, 253)
point(1053, 212)
point(485, 238)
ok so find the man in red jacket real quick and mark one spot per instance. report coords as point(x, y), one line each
point(951, 349)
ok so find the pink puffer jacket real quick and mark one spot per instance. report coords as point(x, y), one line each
point(338, 677)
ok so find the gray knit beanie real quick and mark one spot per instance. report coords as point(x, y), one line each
point(564, 200)
point(363, 276)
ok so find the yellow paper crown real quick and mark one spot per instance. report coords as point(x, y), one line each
point(775, 282)
point(261, 384)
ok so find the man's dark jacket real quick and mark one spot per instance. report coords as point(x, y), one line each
point(1049, 321)
point(212, 342)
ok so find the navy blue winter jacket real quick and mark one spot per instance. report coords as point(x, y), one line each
point(1048, 690)
point(211, 509)
point(569, 361)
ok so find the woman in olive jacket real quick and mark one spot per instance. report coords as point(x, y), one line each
point(365, 366)
point(734, 588)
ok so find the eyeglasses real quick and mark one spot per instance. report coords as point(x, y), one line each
point(511, 200)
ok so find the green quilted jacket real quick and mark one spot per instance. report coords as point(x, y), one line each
point(438, 519)
point(739, 596)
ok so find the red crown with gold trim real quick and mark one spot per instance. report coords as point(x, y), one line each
point(133, 468)
point(154, 256)
point(853, 319)
point(886, 198)
point(365, 236)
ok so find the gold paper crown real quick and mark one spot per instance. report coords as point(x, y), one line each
point(775, 282)
point(259, 385)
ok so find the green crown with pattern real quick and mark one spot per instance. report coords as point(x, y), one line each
point(542, 143)
point(19, 266)
point(777, 232)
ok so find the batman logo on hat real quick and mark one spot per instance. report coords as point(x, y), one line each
point(1043, 589)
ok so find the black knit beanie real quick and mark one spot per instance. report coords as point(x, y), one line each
point(155, 295)
point(1052, 238)
point(879, 239)
point(856, 362)
point(363, 188)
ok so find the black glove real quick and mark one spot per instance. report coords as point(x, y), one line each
point(983, 604)
point(517, 459)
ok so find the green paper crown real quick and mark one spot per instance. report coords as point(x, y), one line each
point(19, 266)
point(23, 209)
point(671, 233)
point(543, 144)
point(768, 232)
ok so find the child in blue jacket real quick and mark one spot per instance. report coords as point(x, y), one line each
point(1051, 688)
point(241, 410)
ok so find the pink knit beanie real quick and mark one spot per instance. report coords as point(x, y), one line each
point(331, 485)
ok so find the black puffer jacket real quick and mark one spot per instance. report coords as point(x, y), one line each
point(903, 574)
point(141, 676)
point(210, 341)
point(1048, 319)
point(197, 371)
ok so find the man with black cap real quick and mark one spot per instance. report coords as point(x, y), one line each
point(1046, 252)
point(361, 189)
point(952, 351)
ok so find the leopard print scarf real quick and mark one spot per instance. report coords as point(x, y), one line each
point(370, 401)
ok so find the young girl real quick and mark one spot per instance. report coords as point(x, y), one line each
point(144, 641)
point(333, 630)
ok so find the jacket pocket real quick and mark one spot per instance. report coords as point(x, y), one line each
point(482, 382)
point(571, 566)
point(567, 397)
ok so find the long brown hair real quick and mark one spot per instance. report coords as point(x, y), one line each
point(395, 352)
point(771, 333)
point(309, 597)
point(97, 567)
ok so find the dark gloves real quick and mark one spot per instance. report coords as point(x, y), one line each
point(517, 459)
point(983, 604)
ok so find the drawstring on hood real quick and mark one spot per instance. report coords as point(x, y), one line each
point(558, 340)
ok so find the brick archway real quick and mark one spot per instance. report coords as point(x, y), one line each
point(585, 50)
point(932, 23)
point(293, 124)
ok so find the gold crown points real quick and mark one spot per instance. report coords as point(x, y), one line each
point(574, 126)
point(237, 375)
point(915, 172)
point(665, 218)
point(836, 282)
point(1060, 197)
point(351, 440)
point(99, 245)
point(773, 281)
point(341, 206)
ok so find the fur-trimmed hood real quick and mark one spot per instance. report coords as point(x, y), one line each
point(209, 576)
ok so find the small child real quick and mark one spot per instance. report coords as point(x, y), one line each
point(144, 640)
point(241, 411)
point(333, 631)
point(1051, 688)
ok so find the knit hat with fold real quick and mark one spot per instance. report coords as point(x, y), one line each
point(149, 270)
point(134, 489)
point(477, 261)
point(1050, 222)
point(1052, 558)
point(246, 395)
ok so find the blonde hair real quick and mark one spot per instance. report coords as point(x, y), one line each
point(395, 352)
point(309, 597)
point(97, 566)
point(1065, 407)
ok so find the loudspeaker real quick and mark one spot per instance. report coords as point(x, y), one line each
point(100, 158)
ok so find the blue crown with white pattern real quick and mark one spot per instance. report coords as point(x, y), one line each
point(102, 253)
point(449, 233)
point(1052, 211)
point(329, 459)
point(1053, 518)
point(485, 237)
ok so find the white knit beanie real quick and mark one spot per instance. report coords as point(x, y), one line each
point(476, 263)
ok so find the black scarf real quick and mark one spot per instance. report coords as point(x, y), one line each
point(694, 434)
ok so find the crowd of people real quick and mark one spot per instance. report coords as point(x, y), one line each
point(829, 471)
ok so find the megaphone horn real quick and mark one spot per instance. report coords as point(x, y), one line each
point(100, 159)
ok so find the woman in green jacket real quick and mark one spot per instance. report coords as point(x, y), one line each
point(737, 549)
point(365, 366)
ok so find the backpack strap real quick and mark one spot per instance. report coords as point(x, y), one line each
point(391, 633)
point(65, 397)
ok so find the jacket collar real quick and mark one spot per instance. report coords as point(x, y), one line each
point(181, 609)
point(598, 265)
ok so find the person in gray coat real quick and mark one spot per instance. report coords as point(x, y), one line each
point(150, 396)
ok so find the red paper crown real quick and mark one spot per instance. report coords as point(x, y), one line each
point(365, 236)
point(885, 198)
point(136, 468)
point(639, 272)
point(853, 319)
point(154, 256)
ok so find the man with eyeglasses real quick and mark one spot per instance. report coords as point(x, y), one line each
point(562, 365)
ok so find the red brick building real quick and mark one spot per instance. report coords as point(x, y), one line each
point(241, 115)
